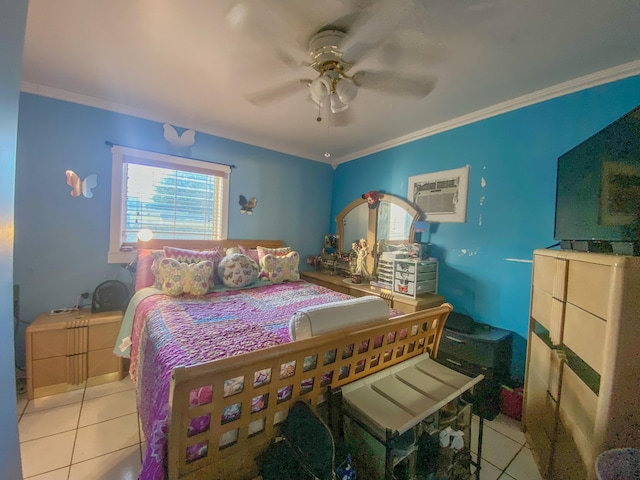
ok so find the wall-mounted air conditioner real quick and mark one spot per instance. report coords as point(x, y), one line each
point(441, 196)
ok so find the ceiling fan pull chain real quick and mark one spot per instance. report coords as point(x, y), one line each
point(326, 151)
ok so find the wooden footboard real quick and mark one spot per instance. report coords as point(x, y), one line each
point(251, 393)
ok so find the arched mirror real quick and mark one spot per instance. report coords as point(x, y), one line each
point(391, 221)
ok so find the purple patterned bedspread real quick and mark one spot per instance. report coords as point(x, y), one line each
point(172, 331)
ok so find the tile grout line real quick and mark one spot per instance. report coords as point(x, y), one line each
point(510, 462)
point(138, 444)
point(503, 471)
point(75, 438)
point(78, 428)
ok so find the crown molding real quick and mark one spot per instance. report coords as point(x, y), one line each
point(581, 83)
point(81, 99)
point(88, 101)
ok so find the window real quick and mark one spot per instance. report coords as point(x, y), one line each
point(174, 197)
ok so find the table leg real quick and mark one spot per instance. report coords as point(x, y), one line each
point(479, 456)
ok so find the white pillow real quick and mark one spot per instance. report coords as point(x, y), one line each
point(313, 321)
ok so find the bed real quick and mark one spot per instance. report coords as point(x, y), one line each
point(215, 374)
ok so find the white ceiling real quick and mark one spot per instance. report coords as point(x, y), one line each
point(182, 62)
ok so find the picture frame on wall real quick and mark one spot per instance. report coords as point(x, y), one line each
point(441, 196)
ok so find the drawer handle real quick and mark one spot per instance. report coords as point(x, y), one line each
point(454, 362)
point(454, 339)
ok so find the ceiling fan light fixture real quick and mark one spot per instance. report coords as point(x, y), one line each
point(337, 105)
point(320, 88)
point(346, 90)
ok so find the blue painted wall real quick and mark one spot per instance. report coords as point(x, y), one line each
point(61, 242)
point(13, 18)
point(514, 156)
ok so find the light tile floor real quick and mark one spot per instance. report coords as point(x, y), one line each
point(94, 434)
point(91, 433)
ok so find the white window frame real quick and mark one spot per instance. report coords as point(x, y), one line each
point(119, 154)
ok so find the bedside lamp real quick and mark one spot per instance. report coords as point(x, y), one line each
point(145, 234)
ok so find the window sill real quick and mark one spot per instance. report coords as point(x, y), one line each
point(122, 257)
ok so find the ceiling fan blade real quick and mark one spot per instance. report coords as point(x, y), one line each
point(387, 82)
point(375, 24)
point(278, 92)
point(407, 49)
point(268, 24)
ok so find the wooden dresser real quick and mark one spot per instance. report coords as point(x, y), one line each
point(582, 386)
point(69, 351)
point(403, 303)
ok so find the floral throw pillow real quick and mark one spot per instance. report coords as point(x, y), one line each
point(264, 251)
point(238, 270)
point(184, 255)
point(147, 268)
point(280, 269)
point(178, 277)
point(158, 255)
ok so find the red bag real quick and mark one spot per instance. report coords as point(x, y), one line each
point(511, 401)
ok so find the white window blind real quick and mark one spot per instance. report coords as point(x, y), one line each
point(174, 197)
point(173, 204)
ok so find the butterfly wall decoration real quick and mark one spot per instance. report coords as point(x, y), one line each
point(247, 206)
point(187, 139)
point(79, 186)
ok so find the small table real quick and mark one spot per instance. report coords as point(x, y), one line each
point(395, 401)
point(403, 303)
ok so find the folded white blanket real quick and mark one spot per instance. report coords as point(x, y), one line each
point(312, 321)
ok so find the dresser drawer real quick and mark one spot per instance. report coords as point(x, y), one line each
point(103, 336)
point(580, 328)
point(477, 351)
point(463, 366)
point(49, 371)
point(540, 407)
point(102, 362)
point(413, 268)
point(550, 275)
point(52, 343)
point(578, 408)
point(414, 288)
point(589, 285)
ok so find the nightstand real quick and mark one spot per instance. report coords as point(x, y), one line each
point(71, 351)
point(486, 351)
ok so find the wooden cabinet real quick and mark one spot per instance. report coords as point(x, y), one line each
point(403, 303)
point(582, 393)
point(70, 351)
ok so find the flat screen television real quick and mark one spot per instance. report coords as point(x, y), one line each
point(598, 191)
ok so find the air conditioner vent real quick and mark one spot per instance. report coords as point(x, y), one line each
point(442, 196)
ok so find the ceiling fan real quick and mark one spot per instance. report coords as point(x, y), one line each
point(333, 53)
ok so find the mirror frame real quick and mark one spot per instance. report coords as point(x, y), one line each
point(372, 224)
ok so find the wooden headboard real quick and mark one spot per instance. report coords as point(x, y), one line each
point(208, 244)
